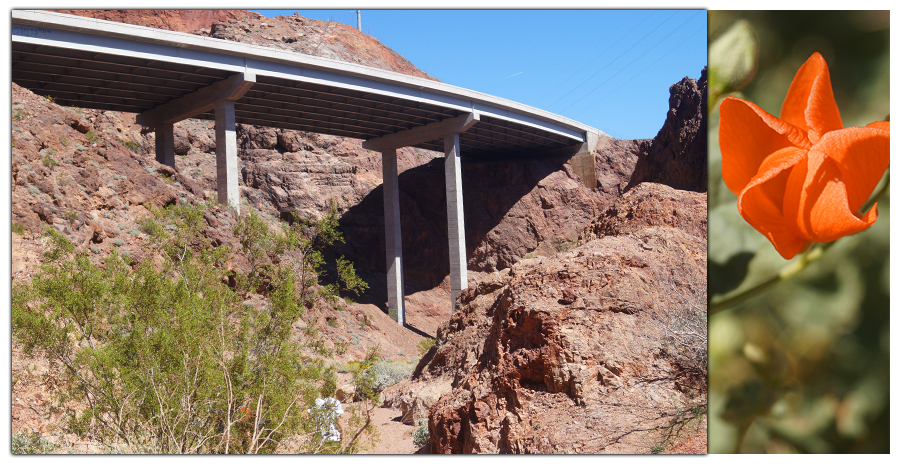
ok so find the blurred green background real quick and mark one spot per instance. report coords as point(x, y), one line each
point(805, 366)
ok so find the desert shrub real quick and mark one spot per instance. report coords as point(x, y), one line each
point(31, 444)
point(382, 374)
point(91, 136)
point(679, 312)
point(295, 251)
point(48, 159)
point(18, 228)
point(424, 345)
point(170, 358)
point(421, 435)
point(131, 145)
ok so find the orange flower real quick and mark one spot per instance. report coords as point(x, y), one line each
point(803, 177)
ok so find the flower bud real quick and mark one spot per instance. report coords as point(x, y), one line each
point(733, 57)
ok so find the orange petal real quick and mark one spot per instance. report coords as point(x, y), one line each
point(809, 103)
point(747, 135)
point(862, 154)
point(761, 202)
point(883, 125)
point(844, 168)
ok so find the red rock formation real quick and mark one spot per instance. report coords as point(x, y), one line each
point(677, 155)
point(190, 21)
point(557, 355)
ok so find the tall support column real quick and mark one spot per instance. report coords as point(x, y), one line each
point(455, 223)
point(165, 144)
point(393, 246)
point(226, 155)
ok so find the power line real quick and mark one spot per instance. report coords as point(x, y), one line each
point(645, 69)
point(614, 59)
point(598, 56)
point(629, 64)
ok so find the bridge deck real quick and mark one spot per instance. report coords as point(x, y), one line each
point(99, 64)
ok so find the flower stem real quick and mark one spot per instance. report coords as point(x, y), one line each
point(792, 269)
point(787, 272)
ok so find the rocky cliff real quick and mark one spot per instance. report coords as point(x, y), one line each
point(564, 354)
point(677, 155)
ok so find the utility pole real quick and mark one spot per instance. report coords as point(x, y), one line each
point(358, 21)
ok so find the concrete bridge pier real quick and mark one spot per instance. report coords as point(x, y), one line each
point(456, 233)
point(220, 97)
point(165, 144)
point(449, 130)
point(226, 155)
point(393, 246)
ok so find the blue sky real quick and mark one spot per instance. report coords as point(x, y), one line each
point(610, 69)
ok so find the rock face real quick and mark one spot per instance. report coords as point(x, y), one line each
point(677, 155)
point(170, 20)
point(557, 355)
point(650, 205)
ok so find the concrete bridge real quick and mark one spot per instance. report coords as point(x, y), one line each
point(167, 77)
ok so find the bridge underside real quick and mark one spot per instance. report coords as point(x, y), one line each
point(166, 77)
point(135, 85)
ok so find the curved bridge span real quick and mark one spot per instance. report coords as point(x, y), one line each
point(167, 77)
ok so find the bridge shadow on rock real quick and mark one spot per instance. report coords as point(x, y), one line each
point(493, 197)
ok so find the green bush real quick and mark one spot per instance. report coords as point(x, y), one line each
point(18, 228)
point(91, 136)
point(421, 435)
point(31, 444)
point(380, 375)
point(131, 145)
point(170, 358)
point(48, 159)
point(424, 345)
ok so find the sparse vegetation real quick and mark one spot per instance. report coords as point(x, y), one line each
point(131, 145)
point(19, 115)
point(679, 311)
point(31, 444)
point(424, 345)
point(18, 228)
point(235, 382)
point(683, 420)
point(561, 245)
point(421, 435)
point(91, 137)
point(382, 374)
point(48, 160)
